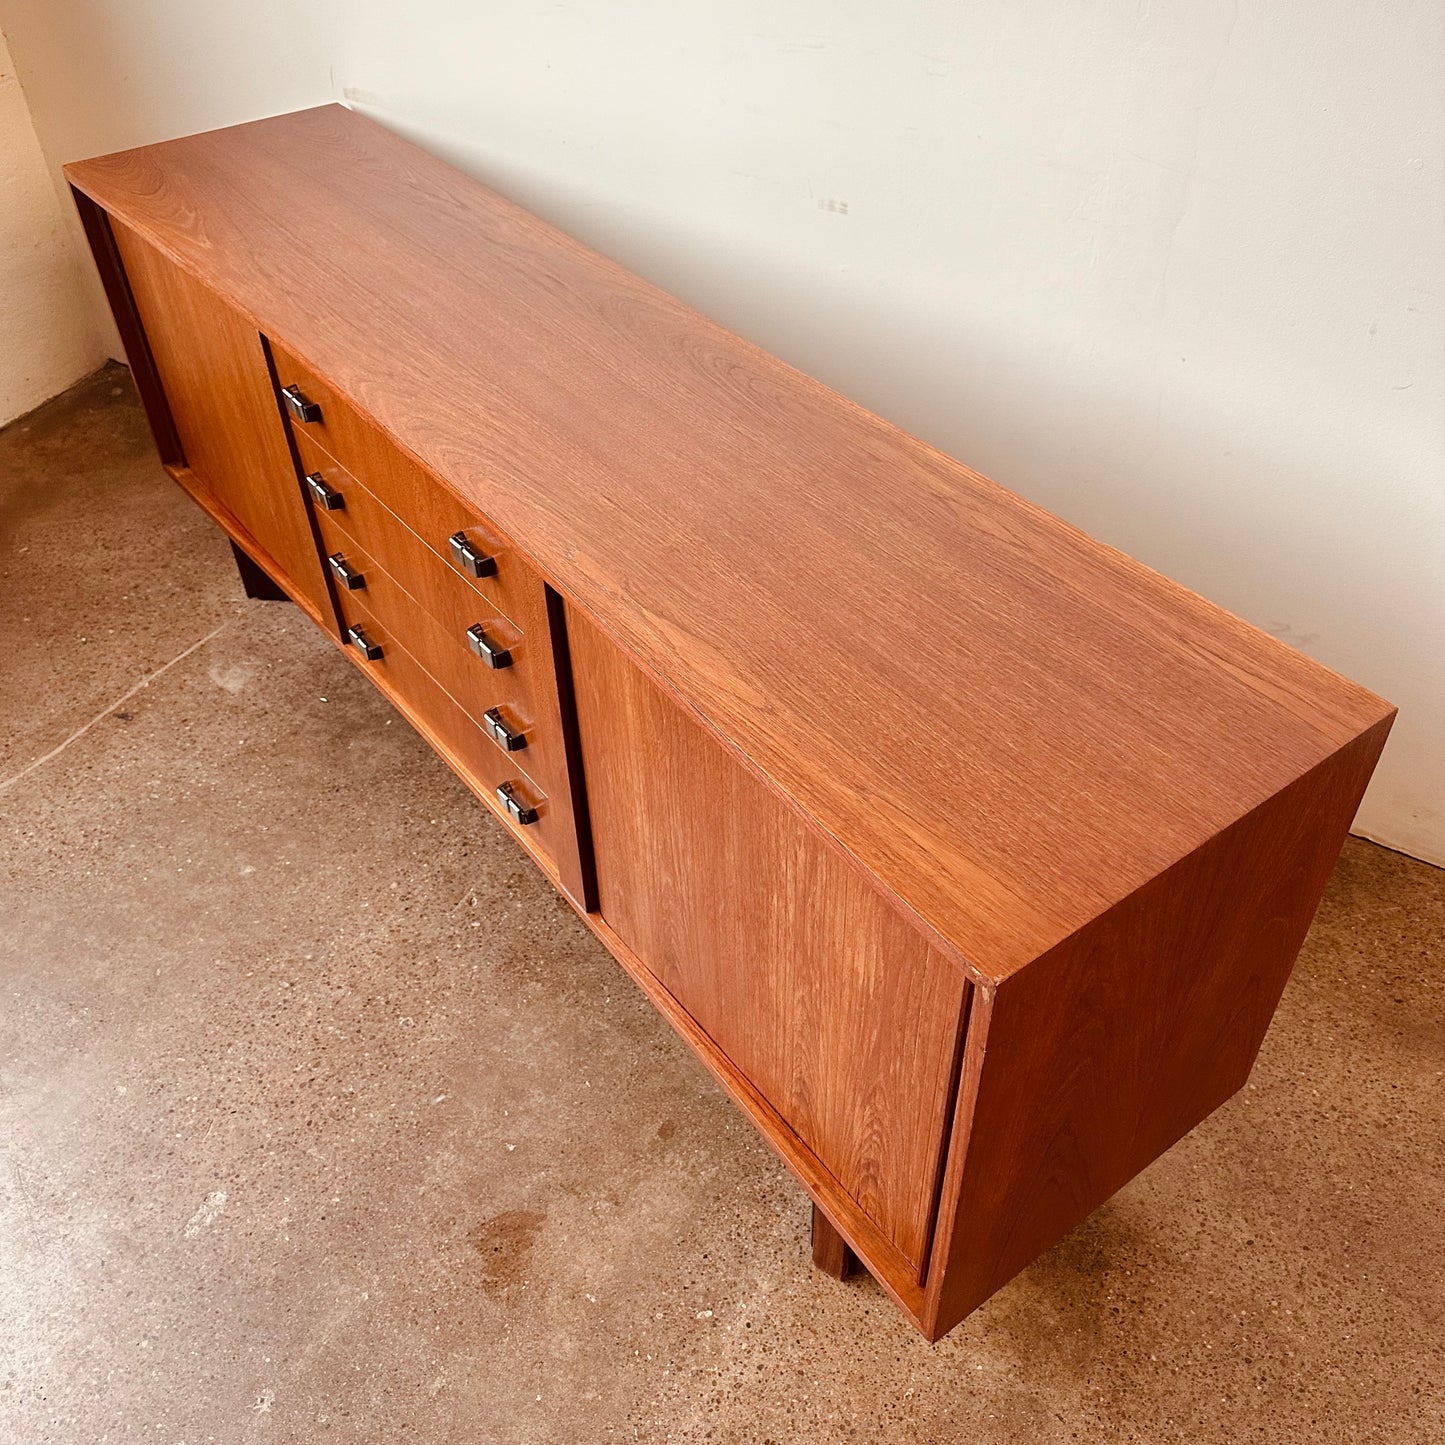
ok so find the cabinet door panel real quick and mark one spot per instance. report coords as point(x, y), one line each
point(819, 993)
point(213, 371)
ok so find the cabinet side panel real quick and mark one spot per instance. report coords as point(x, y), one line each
point(819, 993)
point(101, 238)
point(213, 369)
point(1106, 1050)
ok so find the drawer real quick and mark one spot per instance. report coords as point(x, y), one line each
point(392, 524)
point(469, 750)
point(507, 693)
point(316, 410)
point(435, 582)
point(424, 504)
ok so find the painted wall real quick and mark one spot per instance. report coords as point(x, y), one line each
point(1171, 269)
point(48, 332)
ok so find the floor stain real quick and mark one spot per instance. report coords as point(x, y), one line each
point(505, 1243)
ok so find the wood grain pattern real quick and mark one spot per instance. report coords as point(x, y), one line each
point(1090, 1063)
point(800, 573)
point(425, 506)
point(969, 855)
point(842, 1016)
point(448, 594)
point(101, 238)
point(218, 392)
point(469, 682)
point(428, 608)
point(430, 709)
point(885, 1263)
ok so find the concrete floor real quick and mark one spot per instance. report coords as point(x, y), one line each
point(324, 1119)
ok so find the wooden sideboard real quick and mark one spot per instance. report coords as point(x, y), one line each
point(971, 856)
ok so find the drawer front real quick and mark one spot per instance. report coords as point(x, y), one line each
point(473, 685)
point(392, 519)
point(434, 582)
point(316, 410)
point(470, 751)
point(422, 503)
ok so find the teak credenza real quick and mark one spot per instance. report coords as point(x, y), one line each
point(971, 856)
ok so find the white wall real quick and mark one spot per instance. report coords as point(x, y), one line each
point(1171, 269)
point(48, 333)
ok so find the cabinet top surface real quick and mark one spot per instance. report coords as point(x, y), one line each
point(1010, 724)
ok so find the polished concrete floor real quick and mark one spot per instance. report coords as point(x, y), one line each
point(321, 1118)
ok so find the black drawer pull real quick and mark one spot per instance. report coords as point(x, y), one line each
point(370, 650)
point(486, 649)
point(517, 810)
point(327, 498)
point(509, 739)
point(349, 578)
point(300, 407)
point(473, 562)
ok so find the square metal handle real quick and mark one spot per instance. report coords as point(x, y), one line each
point(470, 558)
point(517, 810)
point(370, 650)
point(327, 498)
point(491, 652)
point(509, 739)
point(347, 575)
point(301, 407)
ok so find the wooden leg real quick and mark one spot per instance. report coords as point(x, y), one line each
point(830, 1250)
point(255, 580)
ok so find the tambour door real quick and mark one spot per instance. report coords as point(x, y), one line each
point(818, 992)
point(212, 368)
